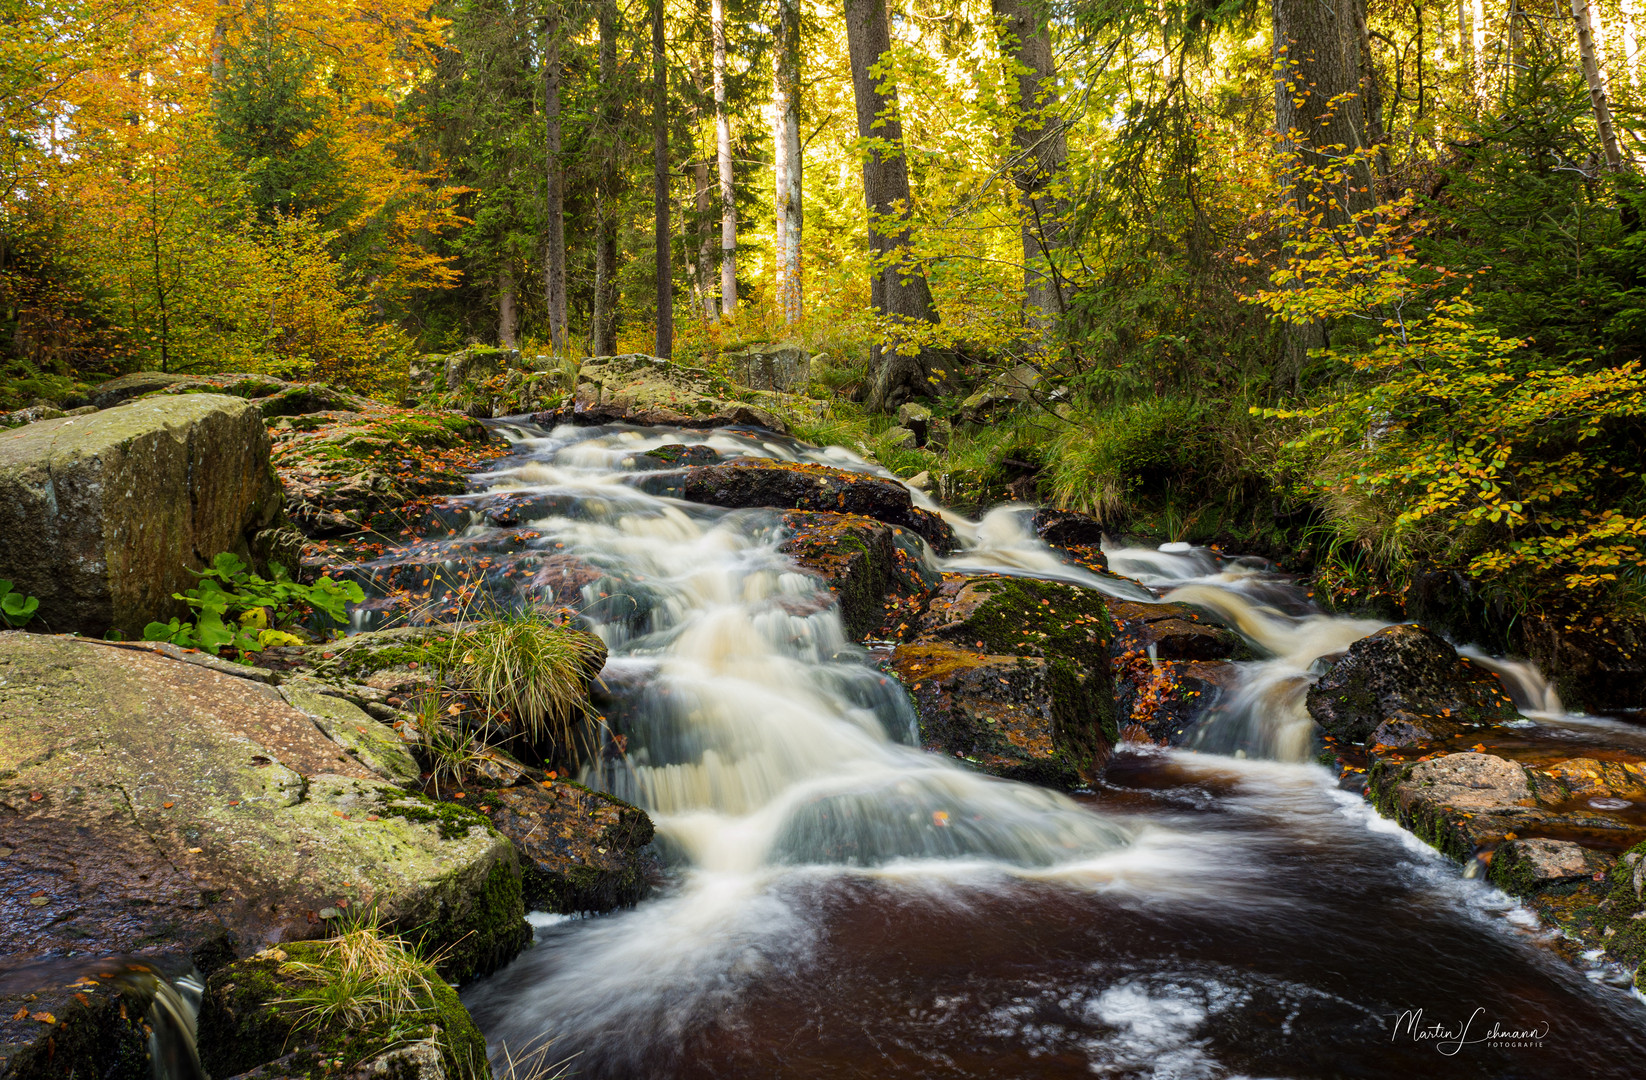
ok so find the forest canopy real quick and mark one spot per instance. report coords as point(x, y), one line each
point(1361, 276)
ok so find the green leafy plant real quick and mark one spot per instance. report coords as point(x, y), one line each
point(16, 608)
point(238, 609)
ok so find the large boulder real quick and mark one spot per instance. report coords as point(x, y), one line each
point(783, 366)
point(243, 822)
point(790, 486)
point(639, 389)
point(1405, 684)
point(102, 517)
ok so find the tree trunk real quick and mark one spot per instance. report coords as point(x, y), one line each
point(603, 332)
point(660, 184)
point(786, 156)
point(1042, 147)
point(1631, 41)
point(1597, 87)
point(700, 177)
point(507, 317)
point(1319, 57)
point(723, 152)
point(554, 240)
point(898, 369)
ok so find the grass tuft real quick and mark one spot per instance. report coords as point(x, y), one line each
point(528, 666)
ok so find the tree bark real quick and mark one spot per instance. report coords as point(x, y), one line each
point(786, 157)
point(723, 153)
point(507, 317)
point(1042, 152)
point(554, 228)
point(700, 177)
point(660, 184)
point(898, 369)
point(603, 332)
point(1597, 86)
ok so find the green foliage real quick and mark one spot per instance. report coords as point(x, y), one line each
point(1440, 438)
point(238, 609)
point(15, 607)
point(1107, 458)
point(530, 667)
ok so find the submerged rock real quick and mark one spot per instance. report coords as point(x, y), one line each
point(790, 486)
point(583, 850)
point(1031, 719)
point(1405, 684)
point(102, 517)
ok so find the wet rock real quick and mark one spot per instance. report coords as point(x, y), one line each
point(1065, 528)
point(373, 744)
point(1172, 632)
point(1409, 675)
point(788, 486)
point(678, 455)
point(250, 1019)
point(583, 851)
point(1457, 803)
point(1520, 867)
point(785, 366)
point(1022, 616)
point(58, 1020)
point(638, 389)
point(103, 517)
point(1166, 700)
point(1022, 718)
point(874, 570)
point(1589, 778)
point(124, 762)
point(1597, 662)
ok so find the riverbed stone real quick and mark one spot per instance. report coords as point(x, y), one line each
point(1031, 719)
point(582, 850)
point(1172, 632)
point(1520, 867)
point(645, 390)
point(873, 569)
point(1408, 675)
point(102, 517)
point(1458, 803)
point(263, 826)
point(1165, 701)
point(795, 486)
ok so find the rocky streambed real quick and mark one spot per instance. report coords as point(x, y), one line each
point(1007, 799)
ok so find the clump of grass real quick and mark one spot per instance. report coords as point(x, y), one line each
point(362, 977)
point(450, 752)
point(528, 666)
point(1110, 458)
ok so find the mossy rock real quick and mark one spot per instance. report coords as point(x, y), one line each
point(249, 1018)
point(582, 850)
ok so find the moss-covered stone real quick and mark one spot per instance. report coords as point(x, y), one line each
point(583, 850)
point(873, 568)
point(252, 1015)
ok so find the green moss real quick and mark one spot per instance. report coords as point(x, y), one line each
point(488, 933)
point(1042, 618)
point(451, 820)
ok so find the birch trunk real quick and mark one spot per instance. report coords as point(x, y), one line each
point(723, 152)
point(788, 168)
point(1597, 87)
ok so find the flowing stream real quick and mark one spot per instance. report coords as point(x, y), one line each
point(843, 904)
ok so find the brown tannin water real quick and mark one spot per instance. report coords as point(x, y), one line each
point(844, 905)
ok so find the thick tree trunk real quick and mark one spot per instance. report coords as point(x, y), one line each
point(660, 184)
point(1042, 152)
point(554, 228)
point(723, 153)
point(786, 156)
point(1319, 48)
point(507, 318)
point(1597, 86)
point(897, 286)
point(603, 332)
point(703, 203)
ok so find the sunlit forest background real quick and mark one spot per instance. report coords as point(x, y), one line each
point(1358, 282)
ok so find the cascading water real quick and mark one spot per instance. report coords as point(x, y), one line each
point(844, 904)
